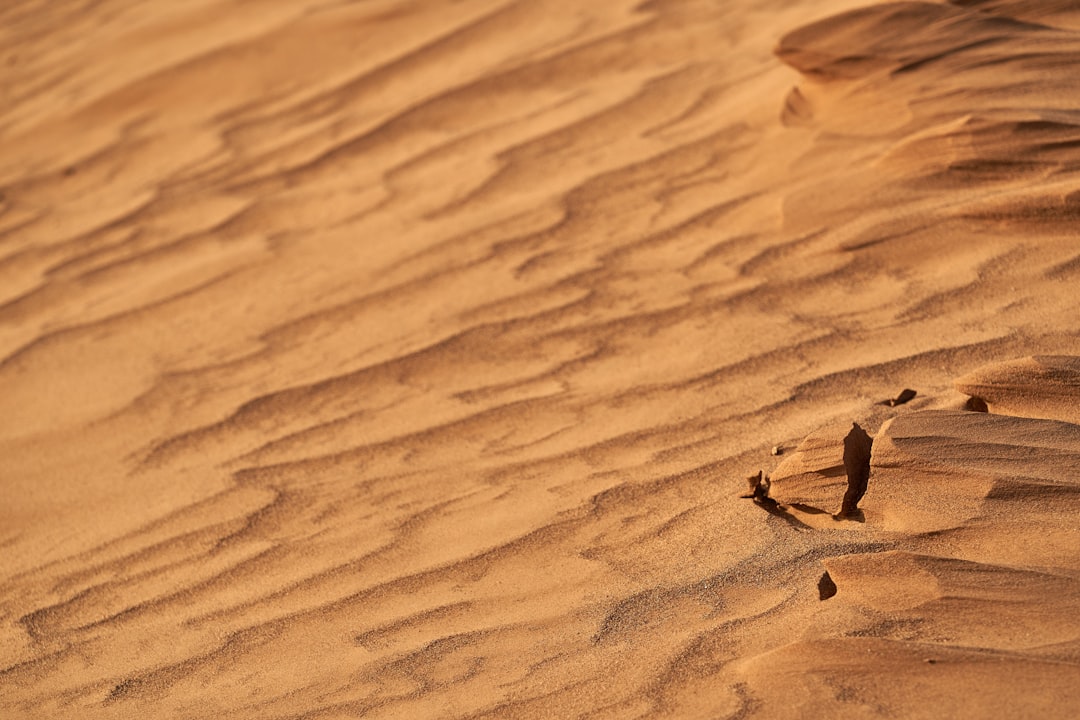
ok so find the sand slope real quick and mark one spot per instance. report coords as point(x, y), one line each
point(399, 359)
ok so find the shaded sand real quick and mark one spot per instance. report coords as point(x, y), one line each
point(395, 359)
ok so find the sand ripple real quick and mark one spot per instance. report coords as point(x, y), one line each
point(397, 359)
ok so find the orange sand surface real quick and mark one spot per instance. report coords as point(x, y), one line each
point(398, 359)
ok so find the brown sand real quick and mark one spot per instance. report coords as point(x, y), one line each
point(406, 360)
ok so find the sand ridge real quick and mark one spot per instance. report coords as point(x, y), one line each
point(399, 359)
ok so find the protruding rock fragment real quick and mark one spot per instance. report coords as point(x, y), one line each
point(906, 395)
point(758, 486)
point(826, 587)
point(777, 450)
point(759, 492)
point(857, 447)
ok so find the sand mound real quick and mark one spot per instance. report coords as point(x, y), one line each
point(985, 577)
point(397, 359)
point(1047, 386)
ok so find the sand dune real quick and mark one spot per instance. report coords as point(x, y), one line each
point(397, 359)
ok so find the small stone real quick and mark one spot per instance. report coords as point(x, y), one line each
point(906, 395)
point(777, 450)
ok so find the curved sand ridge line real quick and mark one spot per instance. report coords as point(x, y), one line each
point(400, 359)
